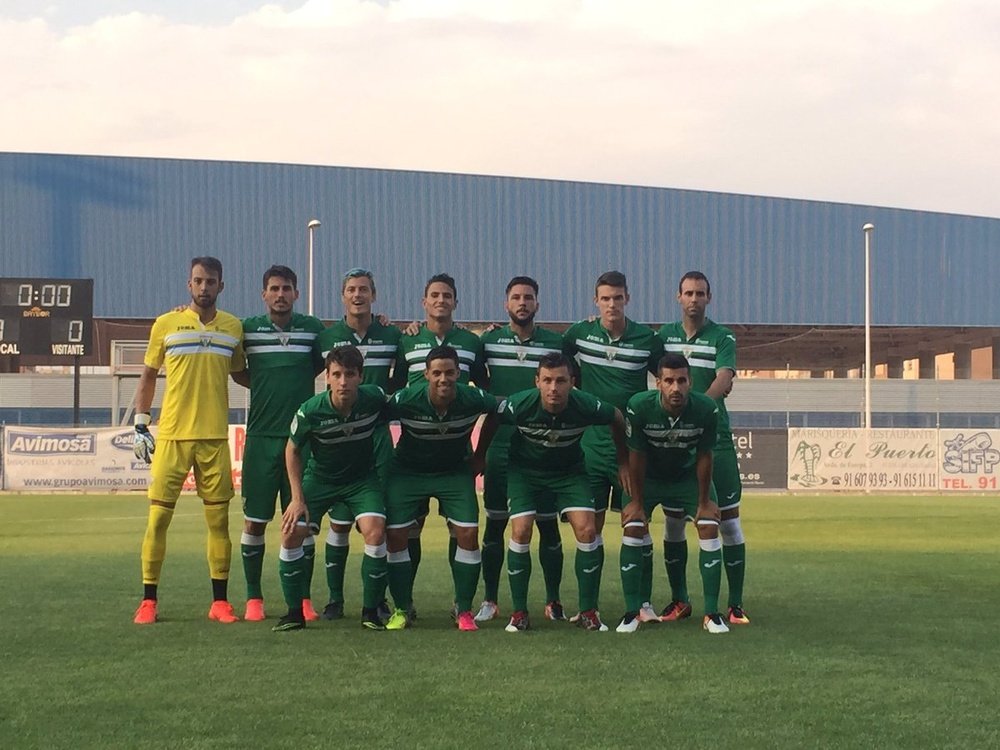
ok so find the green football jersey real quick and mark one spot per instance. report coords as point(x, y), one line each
point(671, 445)
point(613, 370)
point(340, 447)
point(411, 360)
point(712, 349)
point(380, 346)
point(512, 361)
point(430, 442)
point(283, 365)
point(543, 441)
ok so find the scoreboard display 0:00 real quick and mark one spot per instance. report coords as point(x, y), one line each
point(51, 320)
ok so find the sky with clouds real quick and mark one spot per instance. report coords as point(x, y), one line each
point(893, 103)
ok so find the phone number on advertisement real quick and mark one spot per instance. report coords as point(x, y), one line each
point(899, 480)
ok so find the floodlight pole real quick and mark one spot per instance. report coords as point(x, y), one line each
point(312, 226)
point(868, 229)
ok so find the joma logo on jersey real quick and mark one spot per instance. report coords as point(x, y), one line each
point(52, 444)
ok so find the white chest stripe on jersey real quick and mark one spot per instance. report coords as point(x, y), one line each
point(517, 349)
point(688, 349)
point(277, 349)
point(494, 362)
point(619, 352)
point(421, 366)
point(616, 363)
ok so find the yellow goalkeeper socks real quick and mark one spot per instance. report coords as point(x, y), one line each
point(220, 547)
point(154, 543)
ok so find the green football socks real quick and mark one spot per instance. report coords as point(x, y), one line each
point(631, 563)
point(373, 575)
point(550, 556)
point(519, 575)
point(589, 562)
point(252, 552)
point(710, 565)
point(492, 557)
point(337, 550)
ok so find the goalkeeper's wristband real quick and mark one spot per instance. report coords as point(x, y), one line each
point(142, 420)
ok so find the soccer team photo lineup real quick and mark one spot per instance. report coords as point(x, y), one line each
point(563, 427)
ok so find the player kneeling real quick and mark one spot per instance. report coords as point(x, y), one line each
point(338, 425)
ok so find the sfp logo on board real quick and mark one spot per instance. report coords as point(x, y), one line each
point(51, 443)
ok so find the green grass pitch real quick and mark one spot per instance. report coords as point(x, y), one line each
point(875, 625)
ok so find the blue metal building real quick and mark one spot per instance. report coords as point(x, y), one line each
point(133, 223)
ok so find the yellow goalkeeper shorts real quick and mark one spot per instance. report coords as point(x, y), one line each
point(173, 459)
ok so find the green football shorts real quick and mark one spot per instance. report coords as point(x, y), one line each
point(264, 477)
point(602, 467)
point(548, 494)
point(406, 491)
point(678, 495)
point(726, 478)
point(344, 502)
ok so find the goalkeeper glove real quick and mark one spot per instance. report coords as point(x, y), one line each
point(143, 444)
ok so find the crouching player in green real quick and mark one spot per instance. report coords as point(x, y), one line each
point(546, 470)
point(338, 426)
point(671, 435)
point(432, 460)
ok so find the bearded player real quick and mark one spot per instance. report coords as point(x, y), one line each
point(711, 350)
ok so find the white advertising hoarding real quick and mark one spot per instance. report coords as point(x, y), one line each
point(99, 459)
point(970, 460)
point(861, 460)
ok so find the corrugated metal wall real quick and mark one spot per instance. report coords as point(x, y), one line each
point(132, 224)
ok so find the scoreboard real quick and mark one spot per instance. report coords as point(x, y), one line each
point(48, 319)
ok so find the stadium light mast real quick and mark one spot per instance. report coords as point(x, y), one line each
point(868, 229)
point(312, 226)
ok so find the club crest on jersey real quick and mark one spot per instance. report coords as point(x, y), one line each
point(283, 338)
point(687, 352)
point(206, 341)
point(610, 354)
point(551, 438)
point(442, 428)
point(348, 430)
point(522, 354)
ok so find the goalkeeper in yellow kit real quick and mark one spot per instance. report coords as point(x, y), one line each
point(199, 347)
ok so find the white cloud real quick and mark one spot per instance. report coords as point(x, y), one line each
point(888, 103)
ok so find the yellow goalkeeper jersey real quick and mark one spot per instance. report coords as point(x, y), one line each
point(198, 358)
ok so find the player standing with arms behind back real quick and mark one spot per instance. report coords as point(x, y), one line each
point(512, 355)
point(711, 352)
point(614, 355)
point(199, 346)
point(379, 344)
point(282, 363)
